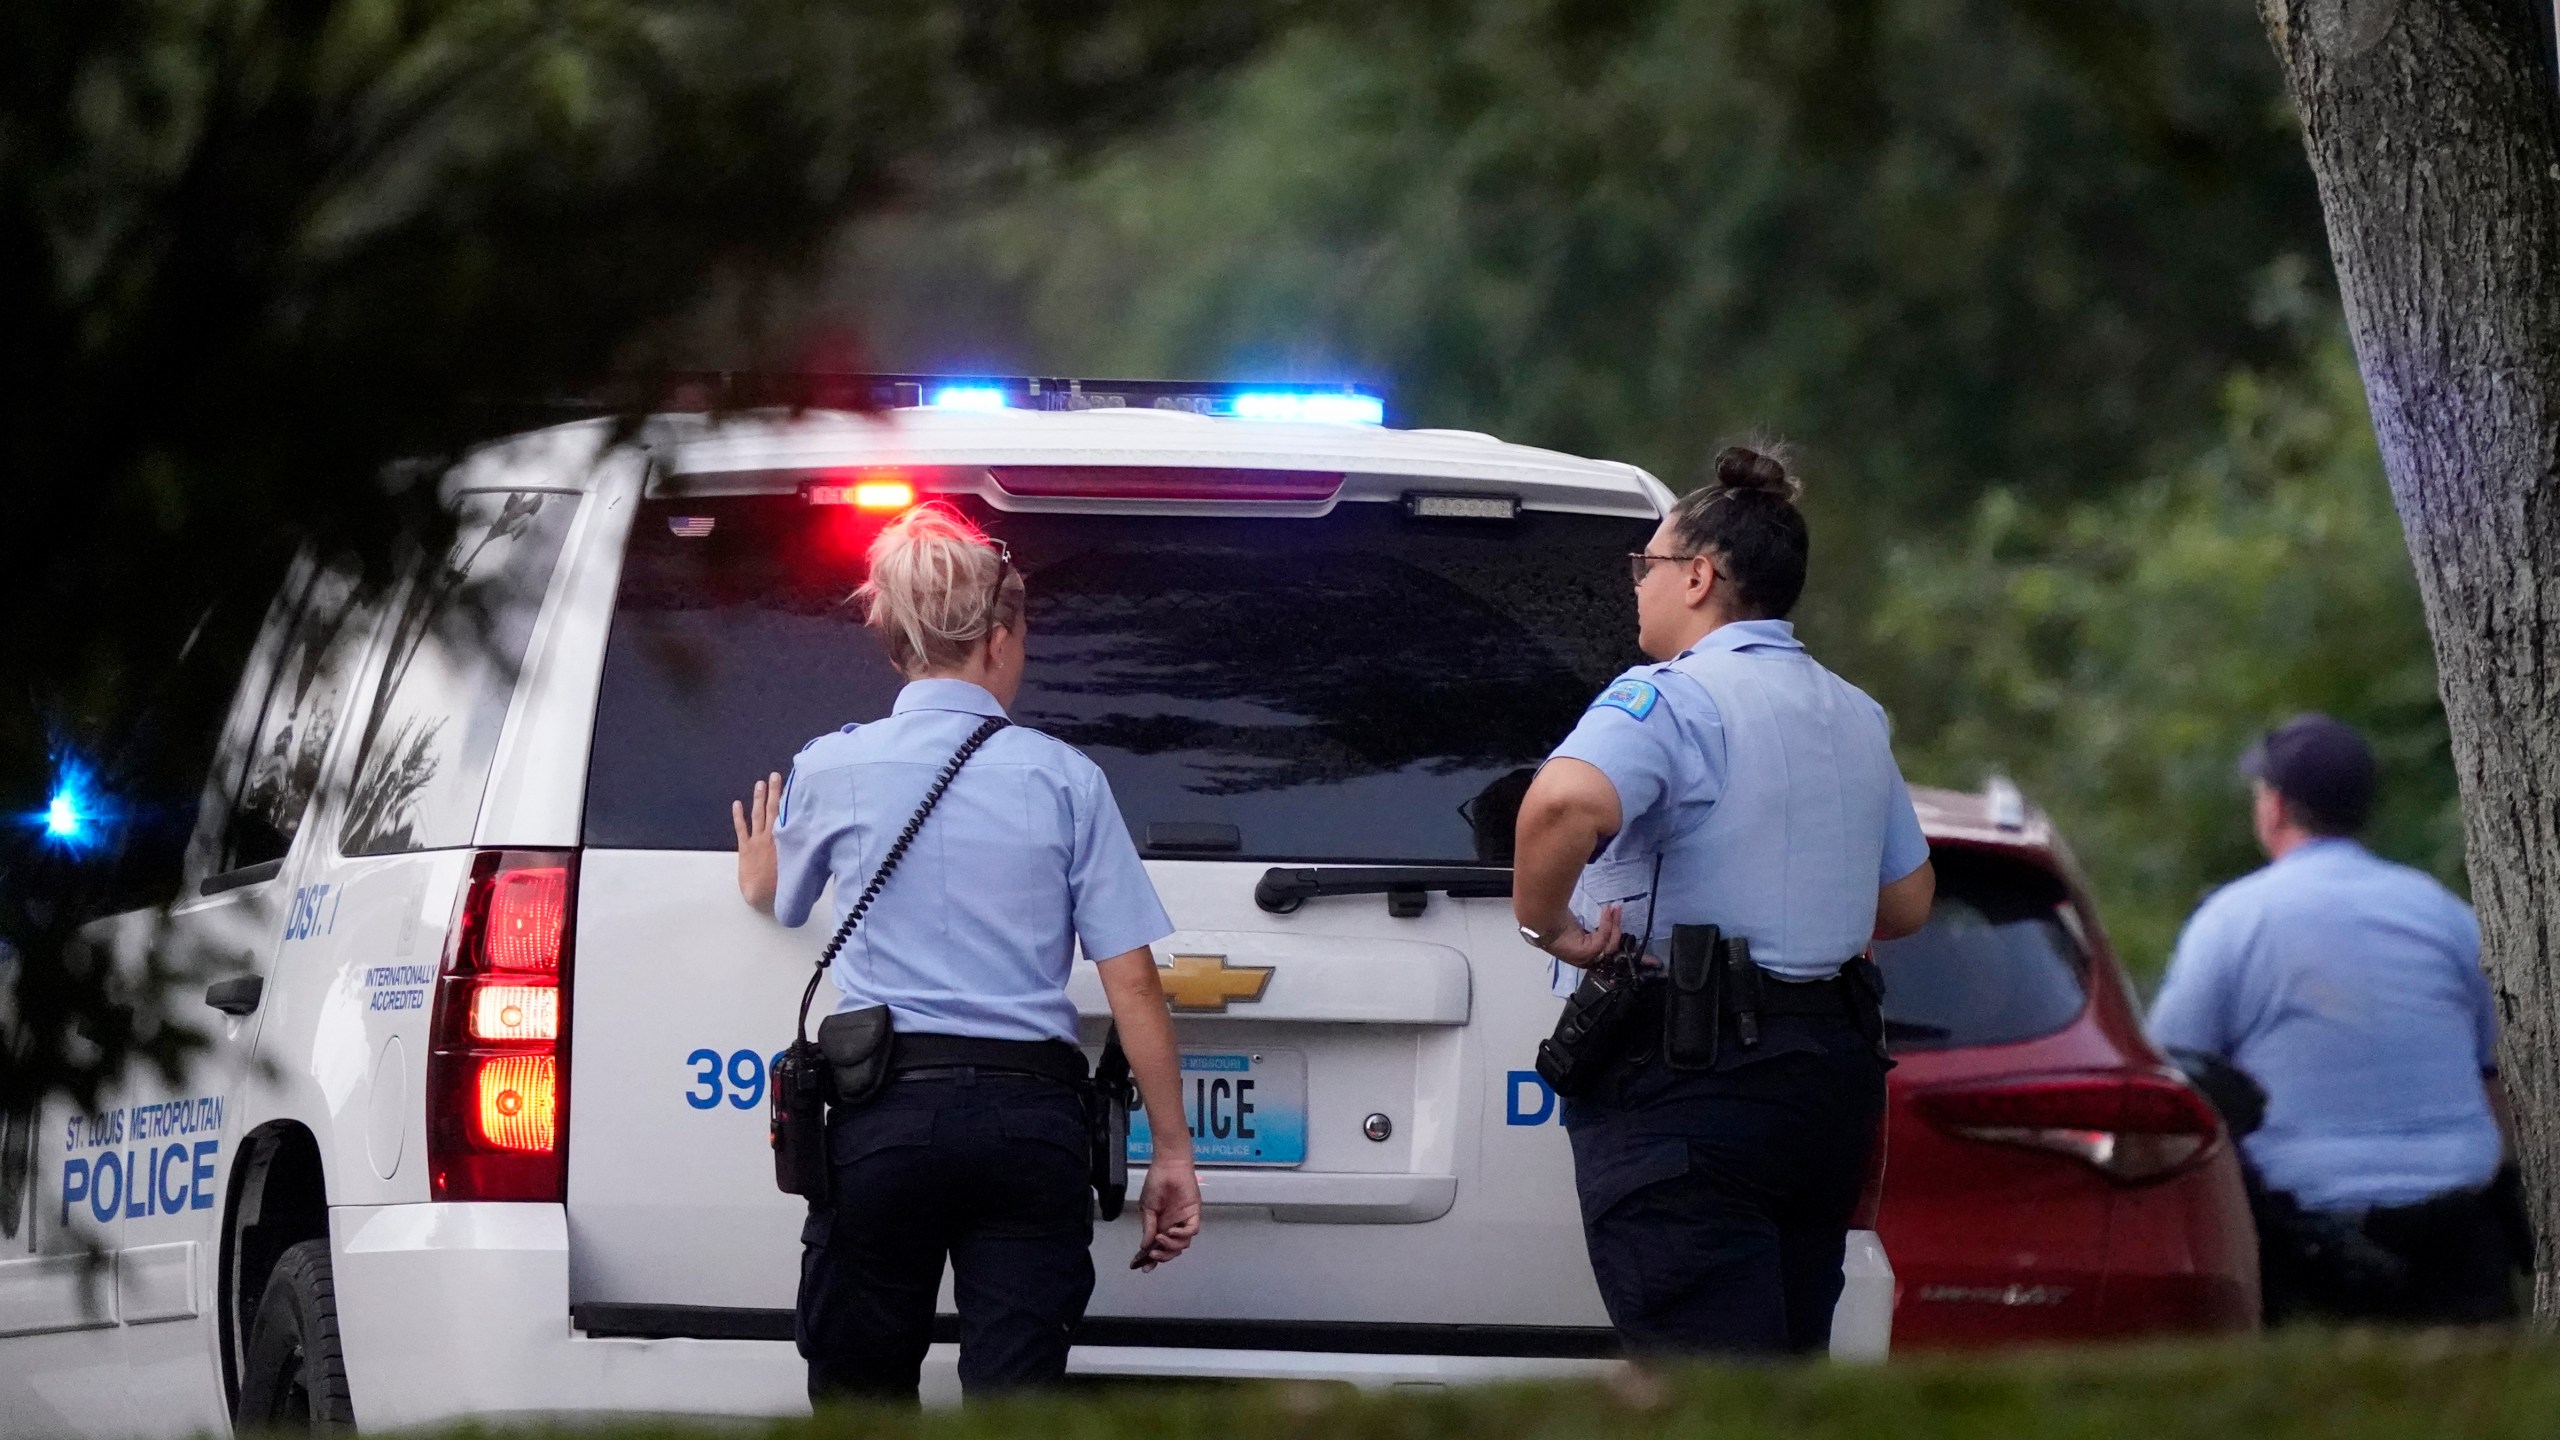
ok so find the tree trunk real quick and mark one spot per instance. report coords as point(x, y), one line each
point(2431, 128)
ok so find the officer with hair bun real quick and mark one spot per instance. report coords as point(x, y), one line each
point(1734, 783)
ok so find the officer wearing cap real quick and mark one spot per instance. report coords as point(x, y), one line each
point(2350, 989)
point(1736, 783)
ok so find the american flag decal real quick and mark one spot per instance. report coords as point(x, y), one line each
point(691, 527)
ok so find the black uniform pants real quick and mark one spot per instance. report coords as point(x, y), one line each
point(1716, 1204)
point(986, 1168)
point(2451, 1260)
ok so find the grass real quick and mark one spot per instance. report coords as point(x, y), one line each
point(2338, 1386)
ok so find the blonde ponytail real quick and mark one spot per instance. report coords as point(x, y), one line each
point(938, 586)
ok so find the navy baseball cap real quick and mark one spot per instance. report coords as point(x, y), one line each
point(2321, 765)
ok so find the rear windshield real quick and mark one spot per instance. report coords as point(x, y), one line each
point(1995, 963)
point(1364, 687)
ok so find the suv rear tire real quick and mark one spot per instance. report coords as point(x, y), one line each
point(295, 1377)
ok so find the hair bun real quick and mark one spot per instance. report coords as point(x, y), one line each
point(1739, 467)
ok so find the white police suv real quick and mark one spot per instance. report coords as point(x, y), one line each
point(482, 1132)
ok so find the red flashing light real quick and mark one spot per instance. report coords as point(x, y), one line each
point(877, 493)
point(1163, 482)
point(2130, 1126)
point(497, 1064)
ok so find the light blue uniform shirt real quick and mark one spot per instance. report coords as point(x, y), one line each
point(2350, 988)
point(1767, 788)
point(1025, 857)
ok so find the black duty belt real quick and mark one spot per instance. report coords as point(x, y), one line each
point(1049, 1059)
point(1781, 996)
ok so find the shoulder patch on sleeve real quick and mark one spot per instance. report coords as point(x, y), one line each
point(1636, 697)
point(818, 740)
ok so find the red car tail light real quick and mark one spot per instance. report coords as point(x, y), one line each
point(2130, 1126)
point(497, 1064)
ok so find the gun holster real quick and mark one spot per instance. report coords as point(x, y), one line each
point(1598, 1024)
point(1107, 1100)
point(1866, 985)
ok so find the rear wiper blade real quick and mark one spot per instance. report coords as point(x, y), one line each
point(1283, 889)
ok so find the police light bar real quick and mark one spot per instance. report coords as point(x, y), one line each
point(1316, 404)
point(967, 397)
point(1321, 406)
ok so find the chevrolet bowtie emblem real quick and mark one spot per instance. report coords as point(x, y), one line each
point(1198, 983)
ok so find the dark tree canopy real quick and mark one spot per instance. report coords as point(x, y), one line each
point(2037, 288)
point(258, 258)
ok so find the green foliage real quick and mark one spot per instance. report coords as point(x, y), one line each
point(1994, 263)
point(1951, 243)
point(2115, 656)
point(258, 259)
point(2301, 1386)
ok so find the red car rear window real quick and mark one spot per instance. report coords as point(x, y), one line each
point(1994, 965)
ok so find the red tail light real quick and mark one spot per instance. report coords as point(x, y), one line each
point(2130, 1126)
point(497, 1068)
point(528, 914)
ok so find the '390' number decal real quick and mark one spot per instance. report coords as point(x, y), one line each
point(737, 1077)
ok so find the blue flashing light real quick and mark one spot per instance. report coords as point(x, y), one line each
point(1324, 406)
point(968, 397)
point(76, 817)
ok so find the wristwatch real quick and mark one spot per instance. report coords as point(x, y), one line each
point(1539, 939)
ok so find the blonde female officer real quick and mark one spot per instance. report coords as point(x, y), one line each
point(974, 1150)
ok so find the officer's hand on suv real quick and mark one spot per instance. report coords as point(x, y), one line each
point(1168, 1211)
point(1586, 948)
point(754, 823)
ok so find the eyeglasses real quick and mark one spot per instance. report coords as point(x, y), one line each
point(1640, 563)
point(1004, 567)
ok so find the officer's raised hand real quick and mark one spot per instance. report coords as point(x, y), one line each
point(754, 823)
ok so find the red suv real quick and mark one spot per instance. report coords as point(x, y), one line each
point(2050, 1177)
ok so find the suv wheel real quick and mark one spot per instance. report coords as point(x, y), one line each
point(296, 1375)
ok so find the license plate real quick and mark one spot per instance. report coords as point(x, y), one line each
point(1246, 1107)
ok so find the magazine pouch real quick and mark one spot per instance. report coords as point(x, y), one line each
point(1690, 1007)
